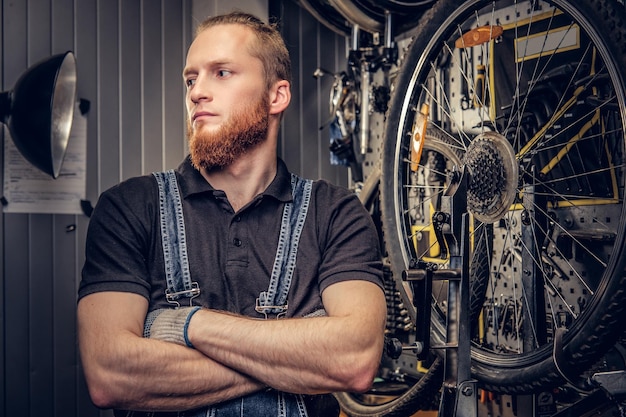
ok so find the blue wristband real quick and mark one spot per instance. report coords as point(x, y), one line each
point(186, 326)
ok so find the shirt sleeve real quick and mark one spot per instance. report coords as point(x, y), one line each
point(351, 248)
point(119, 239)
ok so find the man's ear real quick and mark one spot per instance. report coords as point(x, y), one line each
point(280, 96)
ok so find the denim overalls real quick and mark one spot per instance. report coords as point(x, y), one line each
point(270, 302)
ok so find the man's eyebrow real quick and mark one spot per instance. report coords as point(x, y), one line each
point(210, 64)
point(188, 71)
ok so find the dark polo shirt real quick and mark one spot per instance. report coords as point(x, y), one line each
point(230, 254)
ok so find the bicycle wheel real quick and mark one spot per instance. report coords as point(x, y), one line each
point(403, 385)
point(545, 79)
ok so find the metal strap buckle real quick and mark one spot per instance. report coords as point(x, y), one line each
point(266, 310)
point(193, 292)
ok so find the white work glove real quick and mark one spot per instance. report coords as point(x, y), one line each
point(169, 324)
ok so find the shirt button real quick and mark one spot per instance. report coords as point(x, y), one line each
point(238, 218)
point(237, 242)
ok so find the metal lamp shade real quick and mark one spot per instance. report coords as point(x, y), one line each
point(40, 109)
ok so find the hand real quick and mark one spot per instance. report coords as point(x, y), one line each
point(169, 324)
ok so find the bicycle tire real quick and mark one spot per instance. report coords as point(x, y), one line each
point(370, 15)
point(420, 396)
point(327, 15)
point(576, 235)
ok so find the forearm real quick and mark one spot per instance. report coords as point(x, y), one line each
point(338, 352)
point(313, 355)
point(126, 371)
point(155, 375)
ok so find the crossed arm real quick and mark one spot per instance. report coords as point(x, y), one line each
point(233, 355)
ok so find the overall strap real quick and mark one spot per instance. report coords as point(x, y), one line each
point(274, 300)
point(174, 242)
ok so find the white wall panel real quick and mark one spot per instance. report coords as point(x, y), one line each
point(129, 56)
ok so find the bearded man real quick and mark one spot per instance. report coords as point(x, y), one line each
point(229, 286)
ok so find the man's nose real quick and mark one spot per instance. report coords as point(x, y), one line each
point(200, 90)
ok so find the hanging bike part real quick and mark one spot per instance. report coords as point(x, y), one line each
point(546, 78)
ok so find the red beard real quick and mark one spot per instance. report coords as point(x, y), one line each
point(244, 130)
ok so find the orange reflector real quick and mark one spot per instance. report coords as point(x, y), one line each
point(479, 36)
point(419, 134)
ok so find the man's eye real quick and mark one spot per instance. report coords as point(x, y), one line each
point(223, 73)
point(190, 82)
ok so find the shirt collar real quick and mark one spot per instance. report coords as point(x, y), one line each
point(191, 182)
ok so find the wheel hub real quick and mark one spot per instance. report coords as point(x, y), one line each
point(493, 170)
